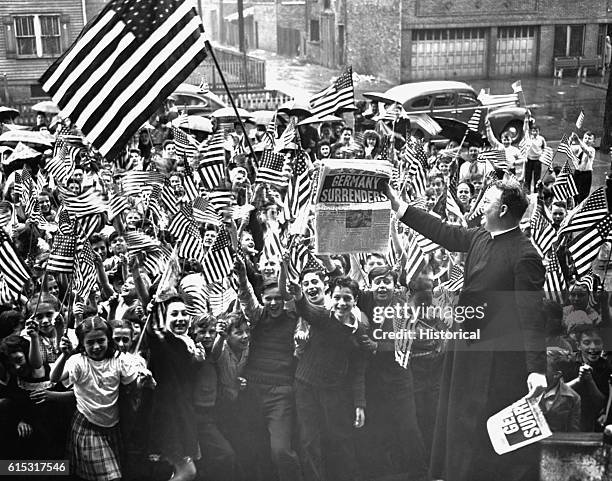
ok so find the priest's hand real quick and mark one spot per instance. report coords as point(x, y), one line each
point(390, 193)
point(536, 384)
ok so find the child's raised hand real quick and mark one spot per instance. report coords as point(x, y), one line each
point(32, 327)
point(146, 380)
point(221, 327)
point(585, 373)
point(295, 290)
point(66, 345)
point(200, 353)
point(243, 383)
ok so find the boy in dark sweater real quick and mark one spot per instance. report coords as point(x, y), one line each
point(393, 438)
point(270, 370)
point(330, 385)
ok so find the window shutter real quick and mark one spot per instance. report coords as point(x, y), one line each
point(9, 35)
point(65, 32)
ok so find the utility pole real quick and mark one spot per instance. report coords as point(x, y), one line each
point(606, 138)
point(242, 43)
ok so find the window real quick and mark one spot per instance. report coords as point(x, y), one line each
point(326, 4)
point(466, 98)
point(444, 101)
point(421, 103)
point(569, 41)
point(314, 31)
point(38, 35)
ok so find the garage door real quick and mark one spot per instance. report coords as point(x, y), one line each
point(448, 53)
point(516, 47)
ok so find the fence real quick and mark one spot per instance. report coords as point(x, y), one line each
point(262, 100)
point(232, 65)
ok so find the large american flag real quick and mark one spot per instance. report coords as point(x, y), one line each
point(12, 268)
point(126, 61)
point(83, 204)
point(61, 258)
point(593, 209)
point(338, 95)
point(585, 247)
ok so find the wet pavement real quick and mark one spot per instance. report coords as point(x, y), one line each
point(555, 103)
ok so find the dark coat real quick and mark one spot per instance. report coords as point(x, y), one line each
point(504, 277)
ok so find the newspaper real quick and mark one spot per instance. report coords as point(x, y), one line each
point(351, 215)
point(518, 425)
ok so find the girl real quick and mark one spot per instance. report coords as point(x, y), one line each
point(96, 373)
point(172, 428)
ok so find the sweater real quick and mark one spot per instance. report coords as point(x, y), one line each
point(271, 359)
point(332, 358)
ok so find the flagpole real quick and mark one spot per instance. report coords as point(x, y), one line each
point(229, 95)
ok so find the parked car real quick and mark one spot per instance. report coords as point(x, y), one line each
point(190, 99)
point(456, 101)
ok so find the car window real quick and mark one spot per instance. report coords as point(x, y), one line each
point(444, 100)
point(467, 98)
point(420, 103)
point(185, 99)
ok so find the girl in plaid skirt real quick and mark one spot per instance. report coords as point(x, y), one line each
point(96, 373)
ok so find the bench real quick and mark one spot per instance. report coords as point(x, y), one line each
point(587, 63)
point(561, 63)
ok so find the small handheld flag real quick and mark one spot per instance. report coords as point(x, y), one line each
point(580, 119)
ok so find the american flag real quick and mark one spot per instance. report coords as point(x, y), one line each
point(300, 186)
point(136, 181)
point(455, 281)
point(269, 136)
point(221, 199)
point(300, 258)
point(517, 87)
point(394, 112)
point(337, 96)
point(181, 221)
point(287, 137)
point(415, 261)
point(191, 191)
point(190, 245)
point(61, 258)
point(220, 298)
point(580, 119)
point(474, 122)
point(12, 268)
point(186, 145)
point(212, 166)
point(426, 245)
point(129, 59)
point(84, 271)
point(168, 199)
point(593, 209)
point(271, 169)
point(543, 234)
point(554, 280)
point(564, 186)
point(273, 247)
point(565, 148)
point(584, 248)
point(218, 262)
point(155, 261)
point(140, 242)
point(417, 167)
point(204, 212)
point(117, 203)
point(547, 157)
point(61, 166)
point(194, 289)
point(85, 203)
point(497, 157)
point(590, 281)
point(88, 224)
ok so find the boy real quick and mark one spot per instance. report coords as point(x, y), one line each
point(218, 462)
point(392, 432)
point(535, 147)
point(271, 368)
point(583, 175)
point(330, 382)
point(589, 377)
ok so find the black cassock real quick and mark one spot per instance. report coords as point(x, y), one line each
point(503, 281)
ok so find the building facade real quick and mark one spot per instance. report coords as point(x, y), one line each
point(33, 35)
point(409, 40)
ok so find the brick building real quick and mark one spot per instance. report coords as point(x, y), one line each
point(33, 34)
point(405, 40)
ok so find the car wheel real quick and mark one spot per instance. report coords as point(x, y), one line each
point(515, 128)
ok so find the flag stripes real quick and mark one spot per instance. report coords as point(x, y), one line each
point(123, 65)
point(337, 96)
